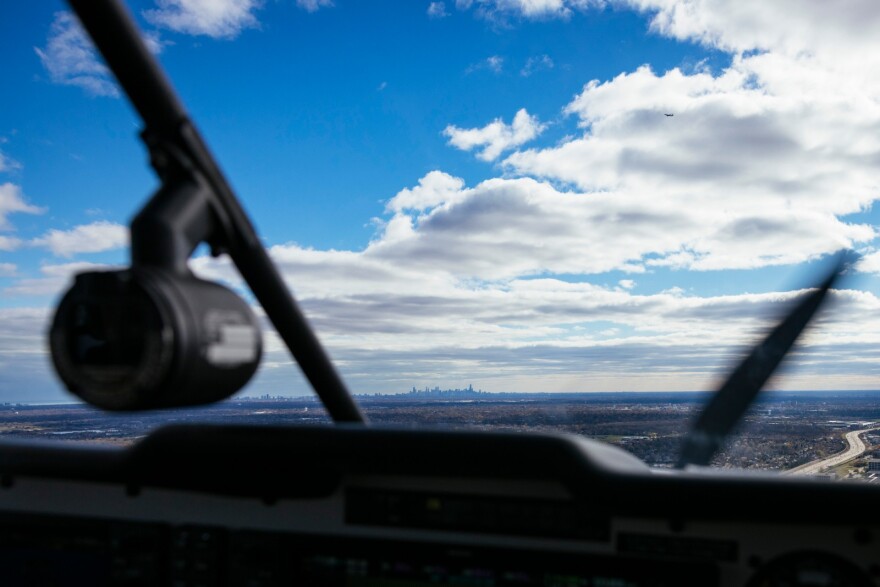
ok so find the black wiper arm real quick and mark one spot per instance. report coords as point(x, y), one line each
point(731, 401)
point(176, 147)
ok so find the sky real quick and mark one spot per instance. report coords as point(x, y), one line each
point(486, 192)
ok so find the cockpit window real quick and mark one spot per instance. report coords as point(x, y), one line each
point(543, 217)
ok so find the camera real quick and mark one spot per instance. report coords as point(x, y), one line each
point(148, 337)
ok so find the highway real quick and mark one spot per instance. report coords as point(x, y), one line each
point(855, 447)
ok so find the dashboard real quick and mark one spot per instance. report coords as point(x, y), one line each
point(350, 505)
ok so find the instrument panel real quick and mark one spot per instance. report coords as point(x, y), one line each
point(414, 515)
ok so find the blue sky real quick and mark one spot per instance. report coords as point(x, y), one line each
point(481, 192)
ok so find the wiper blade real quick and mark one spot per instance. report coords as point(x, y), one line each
point(179, 155)
point(730, 402)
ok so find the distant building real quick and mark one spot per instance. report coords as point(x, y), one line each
point(436, 393)
point(873, 464)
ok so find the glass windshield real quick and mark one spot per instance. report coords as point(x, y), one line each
point(540, 216)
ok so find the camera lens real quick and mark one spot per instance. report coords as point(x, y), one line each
point(109, 340)
point(148, 338)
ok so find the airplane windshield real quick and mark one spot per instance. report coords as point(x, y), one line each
point(567, 216)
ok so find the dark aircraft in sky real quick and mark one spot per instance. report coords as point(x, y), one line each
point(352, 504)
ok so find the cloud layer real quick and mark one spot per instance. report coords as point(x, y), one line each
point(501, 10)
point(501, 282)
point(391, 325)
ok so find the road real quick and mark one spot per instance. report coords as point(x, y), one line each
point(855, 447)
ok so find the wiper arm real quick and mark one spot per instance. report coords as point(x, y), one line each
point(182, 160)
point(728, 405)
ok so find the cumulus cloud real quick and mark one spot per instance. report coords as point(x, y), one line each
point(869, 263)
point(496, 137)
point(87, 238)
point(8, 269)
point(503, 228)
point(787, 160)
point(433, 189)
point(70, 58)
point(12, 201)
point(787, 26)
point(219, 19)
point(437, 10)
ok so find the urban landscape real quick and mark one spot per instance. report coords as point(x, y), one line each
point(835, 435)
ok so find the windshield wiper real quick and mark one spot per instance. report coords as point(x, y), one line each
point(194, 205)
point(728, 405)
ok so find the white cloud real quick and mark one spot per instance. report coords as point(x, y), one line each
point(626, 283)
point(501, 10)
point(496, 137)
point(53, 280)
point(433, 189)
point(504, 228)
point(219, 19)
point(493, 63)
point(153, 41)
point(8, 269)
point(8, 164)
point(313, 5)
point(536, 64)
point(437, 10)
point(12, 201)
point(9, 243)
point(87, 238)
point(869, 263)
point(786, 158)
point(70, 58)
point(787, 26)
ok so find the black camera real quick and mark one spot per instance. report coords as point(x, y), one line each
point(151, 338)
